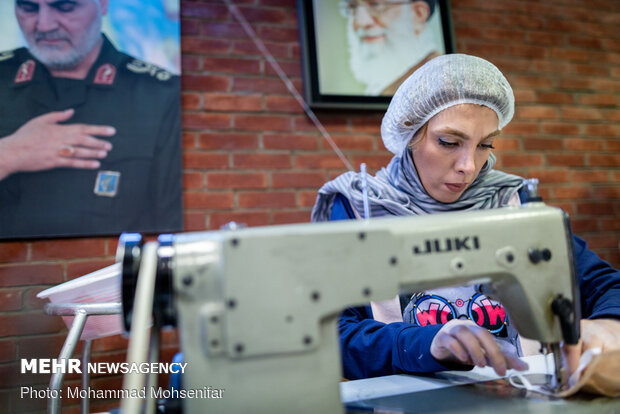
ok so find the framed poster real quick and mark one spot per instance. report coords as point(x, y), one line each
point(355, 53)
point(90, 133)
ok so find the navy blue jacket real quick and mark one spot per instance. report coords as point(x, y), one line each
point(371, 348)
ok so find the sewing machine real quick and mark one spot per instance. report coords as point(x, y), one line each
point(257, 308)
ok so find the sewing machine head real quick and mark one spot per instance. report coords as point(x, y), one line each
point(256, 308)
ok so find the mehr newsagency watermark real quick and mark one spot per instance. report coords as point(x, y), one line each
point(73, 365)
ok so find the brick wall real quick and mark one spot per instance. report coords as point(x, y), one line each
point(252, 156)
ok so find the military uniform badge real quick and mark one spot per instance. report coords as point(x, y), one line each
point(107, 183)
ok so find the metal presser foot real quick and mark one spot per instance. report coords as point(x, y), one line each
point(556, 382)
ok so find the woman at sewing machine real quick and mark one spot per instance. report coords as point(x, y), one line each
point(441, 125)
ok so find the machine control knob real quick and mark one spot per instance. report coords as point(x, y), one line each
point(536, 255)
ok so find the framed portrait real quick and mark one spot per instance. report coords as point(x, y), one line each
point(93, 100)
point(355, 53)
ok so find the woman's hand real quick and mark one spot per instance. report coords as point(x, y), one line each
point(595, 333)
point(466, 343)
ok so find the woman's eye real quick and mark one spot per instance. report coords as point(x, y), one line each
point(487, 146)
point(445, 143)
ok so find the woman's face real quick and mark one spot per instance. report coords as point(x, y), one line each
point(456, 145)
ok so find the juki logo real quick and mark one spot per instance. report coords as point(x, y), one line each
point(448, 244)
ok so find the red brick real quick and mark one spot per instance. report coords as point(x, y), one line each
point(583, 144)
point(566, 160)
point(603, 130)
point(550, 176)
point(262, 85)
point(533, 81)
point(262, 161)
point(503, 144)
point(194, 221)
point(248, 48)
point(255, 218)
point(223, 30)
point(29, 324)
point(205, 160)
point(323, 161)
point(307, 198)
point(279, 34)
point(527, 51)
point(232, 102)
point(289, 217)
point(518, 128)
point(81, 268)
point(560, 128)
point(10, 299)
point(598, 99)
point(193, 180)
point(484, 49)
point(607, 85)
point(611, 115)
point(569, 54)
point(201, 45)
point(613, 145)
point(602, 241)
point(31, 301)
point(13, 252)
point(22, 275)
point(367, 124)
point(604, 160)
point(504, 34)
point(522, 160)
point(189, 27)
point(548, 66)
point(205, 10)
point(354, 142)
point(537, 112)
point(544, 38)
point(188, 140)
point(373, 162)
point(236, 180)
point(609, 224)
point(208, 200)
point(191, 63)
point(571, 192)
point(265, 15)
point(67, 249)
point(332, 123)
point(584, 225)
point(7, 351)
point(232, 65)
point(567, 207)
point(282, 104)
point(590, 176)
point(266, 200)
point(227, 141)
point(584, 42)
point(297, 179)
point(590, 70)
point(595, 208)
point(205, 83)
point(262, 123)
point(202, 120)
point(542, 144)
point(524, 96)
point(569, 112)
point(292, 69)
point(607, 192)
point(190, 100)
point(580, 84)
point(290, 142)
point(555, 97)
point(111, 343)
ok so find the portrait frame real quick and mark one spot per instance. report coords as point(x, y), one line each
point(314, 71)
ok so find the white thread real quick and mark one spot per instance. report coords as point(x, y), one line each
point(289, 85)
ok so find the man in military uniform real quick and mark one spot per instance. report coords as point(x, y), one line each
point(89, 137)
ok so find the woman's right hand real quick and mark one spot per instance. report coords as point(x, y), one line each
point(464, 342)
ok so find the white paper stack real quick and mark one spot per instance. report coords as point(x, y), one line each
point(101, 286)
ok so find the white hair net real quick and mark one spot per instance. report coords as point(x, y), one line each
point(443, 82)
